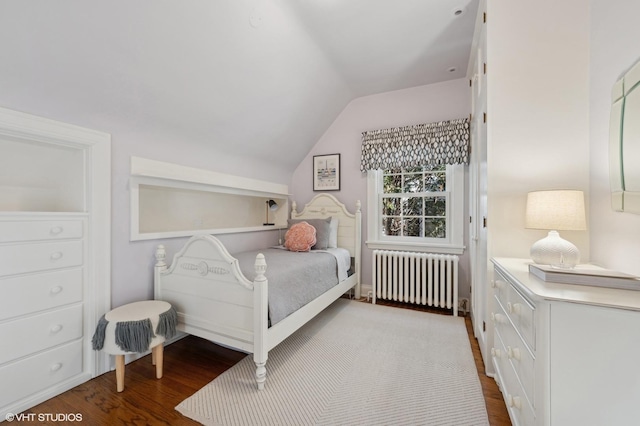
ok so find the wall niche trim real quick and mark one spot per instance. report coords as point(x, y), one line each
point(170, 200)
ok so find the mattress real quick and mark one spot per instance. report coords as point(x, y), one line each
point(296, 278)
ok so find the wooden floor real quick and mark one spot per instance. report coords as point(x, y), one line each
point(189, 364)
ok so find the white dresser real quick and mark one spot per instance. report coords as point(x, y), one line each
point(54, 256)
point(564, 354)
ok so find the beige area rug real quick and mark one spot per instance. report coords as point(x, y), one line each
point(354, 364)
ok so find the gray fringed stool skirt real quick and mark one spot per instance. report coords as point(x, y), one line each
point(136, 328)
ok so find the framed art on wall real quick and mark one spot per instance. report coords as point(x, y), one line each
point(326, 172)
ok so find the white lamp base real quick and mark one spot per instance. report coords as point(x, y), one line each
point(555, 251)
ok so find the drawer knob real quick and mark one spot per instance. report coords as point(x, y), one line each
point(56, 230)
point(514, 308)
point(513, 353)
point(55, 290)
point(56, 255)
point(498, 318)
point(55, 367)
point(56, 328)
point(514, 402)
point(496, 353)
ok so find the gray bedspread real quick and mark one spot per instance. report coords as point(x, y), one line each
point(295, 279)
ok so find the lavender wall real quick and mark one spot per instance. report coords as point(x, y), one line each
point(424, 104)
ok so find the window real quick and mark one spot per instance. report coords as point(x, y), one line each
point(417, 208)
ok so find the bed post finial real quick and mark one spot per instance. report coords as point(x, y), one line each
point(161, 255)
point(294, 207)
point(159, 268)
point(358, 205)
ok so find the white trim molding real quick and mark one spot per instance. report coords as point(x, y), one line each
point(453, 244)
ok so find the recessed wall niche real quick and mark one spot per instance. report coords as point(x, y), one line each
point(168, 200)
point(41, 177)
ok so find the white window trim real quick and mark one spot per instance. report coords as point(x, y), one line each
point(453, 244)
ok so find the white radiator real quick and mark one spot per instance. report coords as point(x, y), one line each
point(420, 278)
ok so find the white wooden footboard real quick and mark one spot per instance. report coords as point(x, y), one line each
point(213, 298)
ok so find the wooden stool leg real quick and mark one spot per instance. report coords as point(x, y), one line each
point(157, 354)
point(120, 372)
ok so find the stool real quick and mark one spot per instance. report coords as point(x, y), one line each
point(136, 328)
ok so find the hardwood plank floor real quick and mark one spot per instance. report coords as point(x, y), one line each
point(189, 364)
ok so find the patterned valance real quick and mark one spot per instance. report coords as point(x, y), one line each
point(443, 142)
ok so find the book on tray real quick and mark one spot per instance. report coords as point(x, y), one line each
point(586, 275)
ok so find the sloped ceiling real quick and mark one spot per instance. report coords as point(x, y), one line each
point(254, 77)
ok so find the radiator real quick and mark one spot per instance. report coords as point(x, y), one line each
point(419, 278)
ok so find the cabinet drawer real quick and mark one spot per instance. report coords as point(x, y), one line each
point(37, 292)
point(517, 308)
point(22, 258)
point(520, 410)
point(518, 355)
point(39, 332)
point(523, 315)
point(500, 287)
point(35, 230)
point(30, 375)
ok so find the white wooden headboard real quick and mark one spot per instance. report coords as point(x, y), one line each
point(323, 206)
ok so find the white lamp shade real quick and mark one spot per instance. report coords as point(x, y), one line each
point(561, 210)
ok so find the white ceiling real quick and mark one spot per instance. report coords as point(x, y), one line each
point(255, 77)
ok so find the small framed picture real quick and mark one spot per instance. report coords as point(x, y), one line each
point(326, 172)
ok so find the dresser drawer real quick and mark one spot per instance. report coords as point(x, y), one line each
point(520, 410)
point(38, 332)
point(30, 375)
point(519, 310)
point(35, 230)
point(518, 355)
point(22, 258)
point(522, 315)
point(36, 292)
point(500, 287)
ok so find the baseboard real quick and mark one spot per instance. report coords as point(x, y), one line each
point(366, 290)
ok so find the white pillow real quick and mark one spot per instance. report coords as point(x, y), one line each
point(333, 233)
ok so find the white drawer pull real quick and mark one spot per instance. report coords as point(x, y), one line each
point(514, 308)
point(514, 402)
point(513, 353)
point(56, 255)
point(55, 290)
point(55, 367)
point(499, 318)
point(56, 230)
point(496, 284)
point(496, 353)
point(56, 328)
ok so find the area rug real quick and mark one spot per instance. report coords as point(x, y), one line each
point(354, 364)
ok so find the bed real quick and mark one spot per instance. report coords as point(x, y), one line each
point(215, 300)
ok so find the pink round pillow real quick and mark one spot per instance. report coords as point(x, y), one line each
point(300, 237)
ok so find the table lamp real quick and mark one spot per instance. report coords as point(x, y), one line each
point(557, 210)
point(271, 205)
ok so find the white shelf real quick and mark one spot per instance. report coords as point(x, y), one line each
point(170, 200)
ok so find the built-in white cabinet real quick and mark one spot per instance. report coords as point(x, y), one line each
point(564, 354)
point(54, 256)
